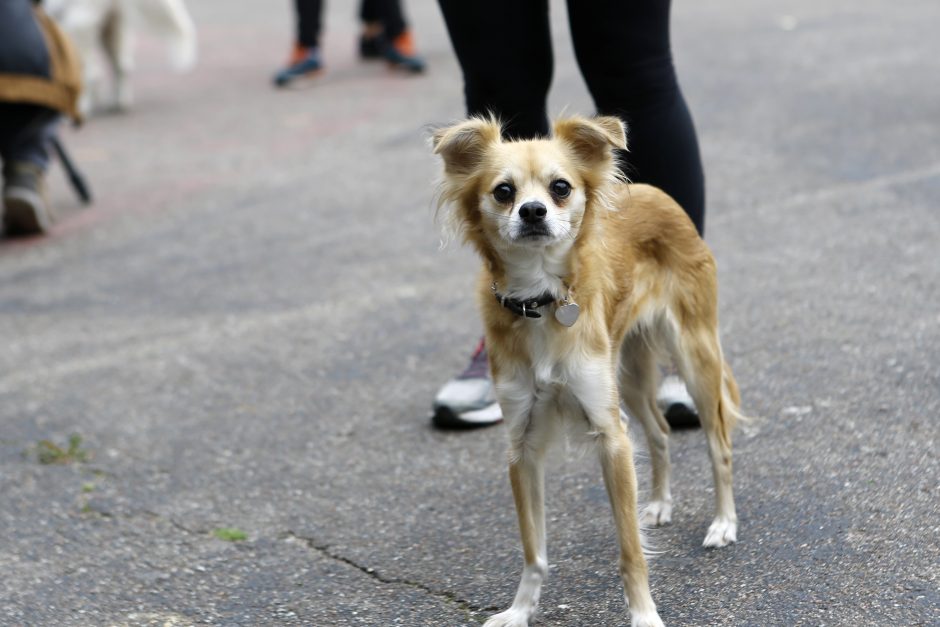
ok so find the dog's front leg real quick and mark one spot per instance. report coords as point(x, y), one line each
point(529, 437)
point(526, 476)
point(616, 456)
point(594, 389)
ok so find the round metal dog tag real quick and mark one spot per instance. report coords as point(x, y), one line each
point(567, 314)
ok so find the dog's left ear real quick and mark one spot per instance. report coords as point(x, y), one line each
point(463, 145)
point(592, 139)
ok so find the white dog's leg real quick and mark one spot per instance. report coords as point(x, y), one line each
point(118, 40)
point(82, 21)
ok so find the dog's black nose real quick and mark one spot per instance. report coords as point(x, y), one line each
point(532, 212)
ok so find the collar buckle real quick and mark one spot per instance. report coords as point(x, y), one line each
point(524, 308)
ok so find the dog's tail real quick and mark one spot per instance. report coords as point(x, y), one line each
point(171, 19)
point(729, 402)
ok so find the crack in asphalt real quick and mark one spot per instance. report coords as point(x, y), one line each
point(324, 549)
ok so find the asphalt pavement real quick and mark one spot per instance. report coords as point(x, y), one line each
point(245, 330)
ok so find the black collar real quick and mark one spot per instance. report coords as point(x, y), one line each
point(525, 308)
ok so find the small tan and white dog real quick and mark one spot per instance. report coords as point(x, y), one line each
point(108, 27)
point(586, 281)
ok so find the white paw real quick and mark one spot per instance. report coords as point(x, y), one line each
point(722, 532)
point(645, 619)
point(656, 513)
point(509, 618)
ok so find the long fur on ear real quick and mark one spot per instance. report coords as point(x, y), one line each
point(592, 138)
point(592, 142)
point(462, 147)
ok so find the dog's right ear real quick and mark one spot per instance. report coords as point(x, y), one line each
point(463, 145)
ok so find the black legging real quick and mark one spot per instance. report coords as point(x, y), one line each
point(622, 47)
point(308, 22)
point(309, 15)
point(386, 12)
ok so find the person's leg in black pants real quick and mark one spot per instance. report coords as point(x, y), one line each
point(304, 61)
point(388, 13)
point(386, 35)
point(505, 53)
point(624, 54)
point(308, 22)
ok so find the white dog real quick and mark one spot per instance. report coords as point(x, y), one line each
point(109, 26)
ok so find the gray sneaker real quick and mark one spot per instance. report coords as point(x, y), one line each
point(26, 211)
point(467, 401)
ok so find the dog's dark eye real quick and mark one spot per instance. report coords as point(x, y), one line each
point(561, 188)
point(504, 192)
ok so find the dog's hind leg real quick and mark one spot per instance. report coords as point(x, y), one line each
point(529, 442)
point(708, 378)
point(638, 378)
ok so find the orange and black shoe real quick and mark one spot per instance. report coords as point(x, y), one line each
point(304, 63)
point(399, 53)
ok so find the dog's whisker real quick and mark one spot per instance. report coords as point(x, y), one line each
point(500, 216)
point(567, 230)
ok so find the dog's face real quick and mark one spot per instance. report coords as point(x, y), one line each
point(530, 194)
point(511, 195)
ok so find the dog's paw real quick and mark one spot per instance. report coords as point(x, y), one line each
point(509, 618)
point(722, 532)
point(645, 619)
point(656, 513)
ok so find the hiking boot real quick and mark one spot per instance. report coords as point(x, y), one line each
point(467, 401)
point(26, 211)
point(304, 63)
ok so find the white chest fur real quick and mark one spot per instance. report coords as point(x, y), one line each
point(535, 272)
